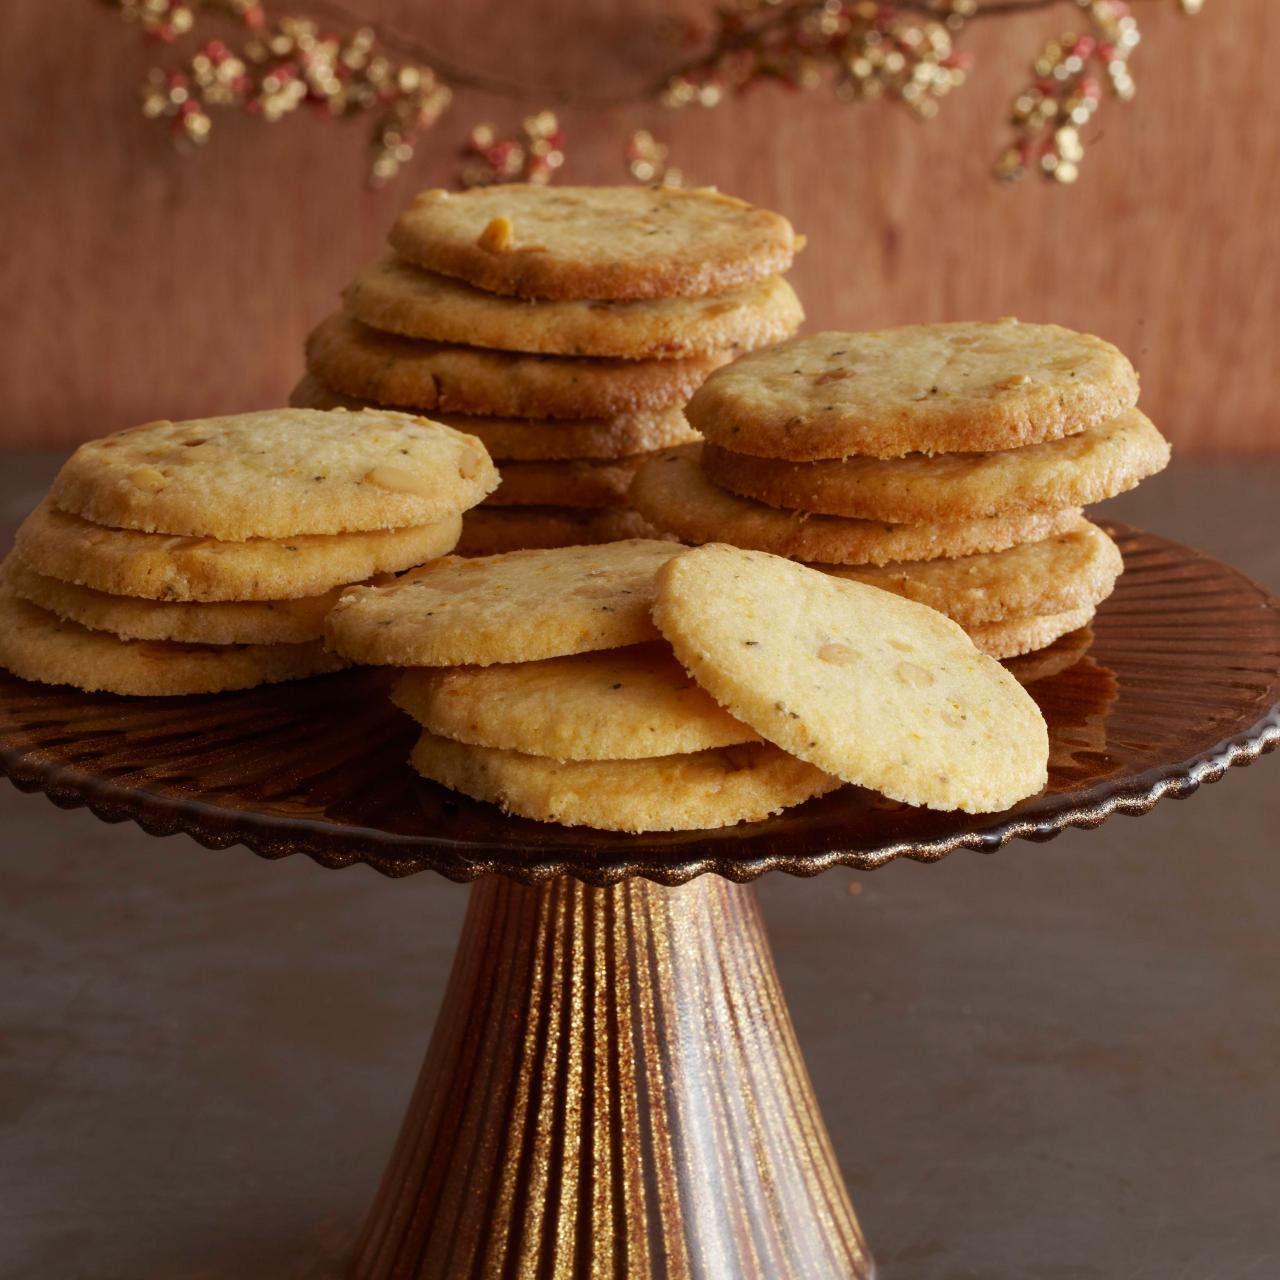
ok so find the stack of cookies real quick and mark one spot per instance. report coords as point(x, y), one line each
point(196, 557)
point(640, 686)
point(568, 326)
point(945, 463)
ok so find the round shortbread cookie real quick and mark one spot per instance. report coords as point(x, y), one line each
point(517, 607)
point(1055, 658)
point(940, 388)
point(880, 691)
point(489, 531)
point(672, 493)
point(36, 645)
point(1012, 637)
point(576, 482)
point(693, 792)
point(539, 439)
point(1071, 570)
point(188, 622)
point(428, 376)
point(593, 242)
point(155, 566)
point(1095, 464)
point(614, 704)
point(276, 474)
point(398, 297)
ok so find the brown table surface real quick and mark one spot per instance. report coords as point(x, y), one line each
point(1058, 1061)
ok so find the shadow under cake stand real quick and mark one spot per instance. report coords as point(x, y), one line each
point(613, 1087)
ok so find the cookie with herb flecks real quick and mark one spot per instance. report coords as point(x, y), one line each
point(673, 493)
point(691, 792)
point(880, 691)
point(928, 388)
point(276, 473)
point(517, 607)
point(1096, 463)
point(397, 297)
point(594, 242)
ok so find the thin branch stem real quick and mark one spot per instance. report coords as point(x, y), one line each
point(458, 77)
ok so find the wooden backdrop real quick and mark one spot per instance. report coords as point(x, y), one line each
point(136, 284)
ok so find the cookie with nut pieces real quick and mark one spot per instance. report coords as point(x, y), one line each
point(673, 493)
point(517, 607)
point(930, 388)
point(594, 242)
point(276, 473)
point(880, 691)
point(397, 297)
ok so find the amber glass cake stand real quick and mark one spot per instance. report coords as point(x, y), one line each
point(613, 1087)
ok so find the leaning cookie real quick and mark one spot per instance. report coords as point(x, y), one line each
point(882, 692)
point(36, 645)
point(699, 791)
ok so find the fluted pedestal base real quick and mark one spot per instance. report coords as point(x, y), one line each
point(614, 1090)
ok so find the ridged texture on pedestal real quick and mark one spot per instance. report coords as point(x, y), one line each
point(613, 1089)
point(1182, 680)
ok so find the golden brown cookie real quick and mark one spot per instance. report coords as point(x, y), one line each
point(1055, 658)
point(572, 483)
point(429, 376)
point(539, 439)
point(880, 691)
point(593, 242)
point(1095, 464)
point(187, 622)
point(694, 792)
point(155, 566)
point(672, 493)
point(1071, 570)
point(397, 297)
point(488, 531)
point(941, 388)
point(36, 645)
point(517, 607)
point(276, 473)
point(613, 704)
point(1012, 637)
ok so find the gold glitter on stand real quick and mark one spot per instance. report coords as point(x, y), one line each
point(614, 1090)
